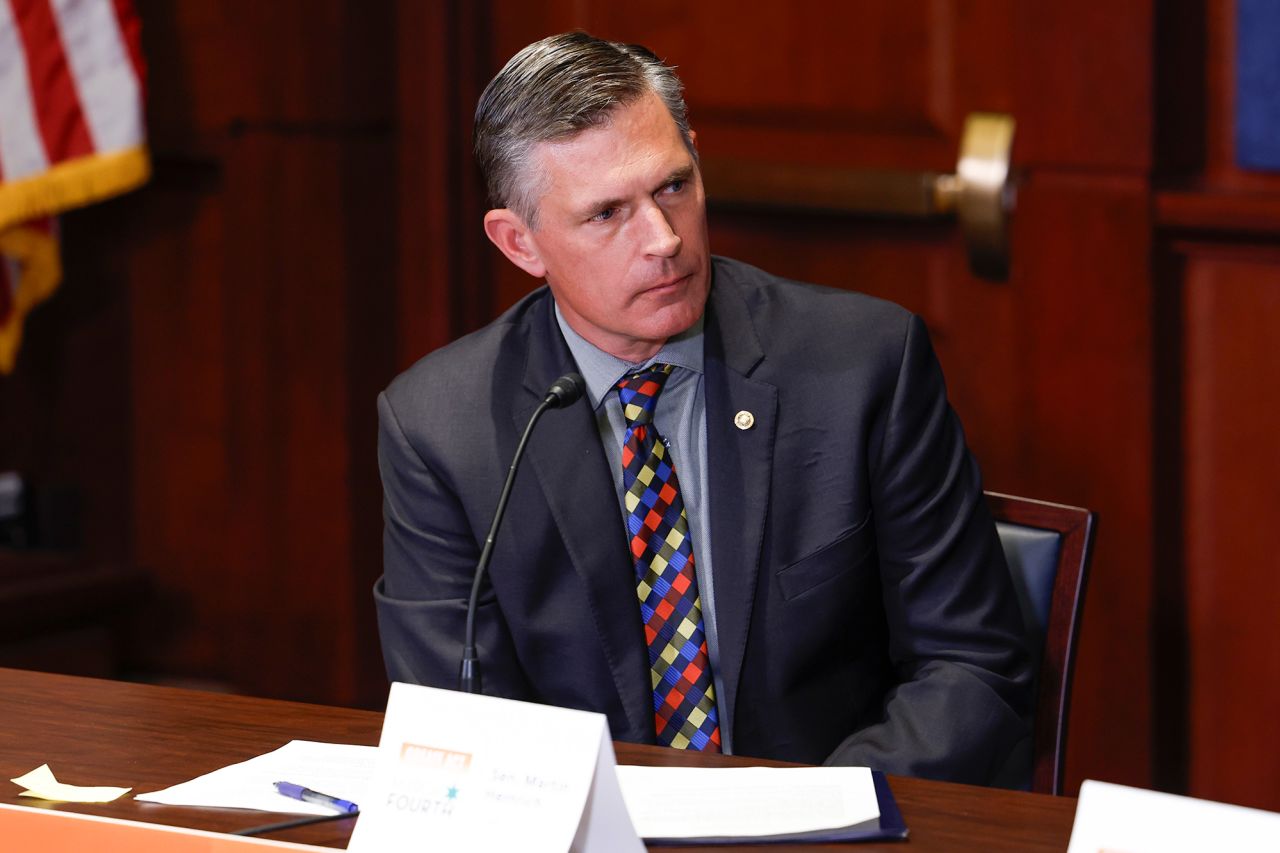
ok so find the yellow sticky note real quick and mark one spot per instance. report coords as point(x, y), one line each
point(42, 784)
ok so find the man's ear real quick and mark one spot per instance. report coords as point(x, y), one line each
point(510, 234)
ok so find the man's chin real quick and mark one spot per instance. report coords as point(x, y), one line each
point(677, 319)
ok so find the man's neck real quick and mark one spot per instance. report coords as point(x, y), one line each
point(601, 368)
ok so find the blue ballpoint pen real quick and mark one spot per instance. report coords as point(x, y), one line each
point(306, 795)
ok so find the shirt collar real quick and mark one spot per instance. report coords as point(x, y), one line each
point(602, 370)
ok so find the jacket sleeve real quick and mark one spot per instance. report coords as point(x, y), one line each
point(430, 550)
point(961, 707)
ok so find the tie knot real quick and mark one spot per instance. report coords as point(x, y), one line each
point(639, 393)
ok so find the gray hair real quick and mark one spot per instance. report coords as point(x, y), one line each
point(555, 89)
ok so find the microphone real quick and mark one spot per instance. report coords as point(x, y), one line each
point(563, 392)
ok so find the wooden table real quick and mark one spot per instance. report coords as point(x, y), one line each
point(94, 732)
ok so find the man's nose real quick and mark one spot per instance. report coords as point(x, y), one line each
point(660, 238)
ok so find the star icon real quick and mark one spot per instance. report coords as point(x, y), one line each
point(452, 793)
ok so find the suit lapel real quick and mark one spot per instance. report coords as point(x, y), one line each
point(575, 478)
point(740, 471)
point(574, 475)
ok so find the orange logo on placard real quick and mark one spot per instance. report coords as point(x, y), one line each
point(431, 756)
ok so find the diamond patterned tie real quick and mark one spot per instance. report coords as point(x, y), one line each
point(684, 701)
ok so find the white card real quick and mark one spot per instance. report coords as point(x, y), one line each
point(456, 771)
point(1135, 820)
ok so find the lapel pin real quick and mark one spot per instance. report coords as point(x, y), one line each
point(744, 420)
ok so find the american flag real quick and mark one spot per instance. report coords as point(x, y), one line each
point(71, 133)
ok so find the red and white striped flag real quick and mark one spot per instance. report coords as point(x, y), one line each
point(71, 133)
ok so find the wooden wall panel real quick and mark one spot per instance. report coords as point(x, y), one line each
point(1218, 227)
point(1084, 356)
point(240, 443)
point(262, 292)
point(1231, 310)
point(445, 265)
point(238, 63)
point(1083, 77)
point(64, 412)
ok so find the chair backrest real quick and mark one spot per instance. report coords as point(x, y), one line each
point(1047, 546)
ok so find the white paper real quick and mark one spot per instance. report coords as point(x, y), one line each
point(1134, 820)
point(463, 772)
point(340, 769)
point(715, 802)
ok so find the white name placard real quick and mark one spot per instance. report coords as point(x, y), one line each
point(456, 771)
point(1134, 820)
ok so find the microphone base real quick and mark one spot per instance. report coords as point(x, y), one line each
point(469, 677)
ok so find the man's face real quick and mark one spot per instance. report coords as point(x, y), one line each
point(622, 231)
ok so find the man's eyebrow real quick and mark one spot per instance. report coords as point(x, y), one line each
point(685, 173)
point(592, 208)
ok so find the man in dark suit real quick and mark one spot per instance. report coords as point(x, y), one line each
point(837, 571)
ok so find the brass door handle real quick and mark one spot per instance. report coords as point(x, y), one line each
point(979, 193)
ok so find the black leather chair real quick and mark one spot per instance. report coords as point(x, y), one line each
point(1047, 546)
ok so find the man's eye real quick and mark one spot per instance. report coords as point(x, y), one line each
point(676, 186)
point(605, 215)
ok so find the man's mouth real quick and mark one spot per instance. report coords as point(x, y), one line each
point(667, 283)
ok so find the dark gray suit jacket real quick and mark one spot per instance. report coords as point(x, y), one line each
point(864, 610)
